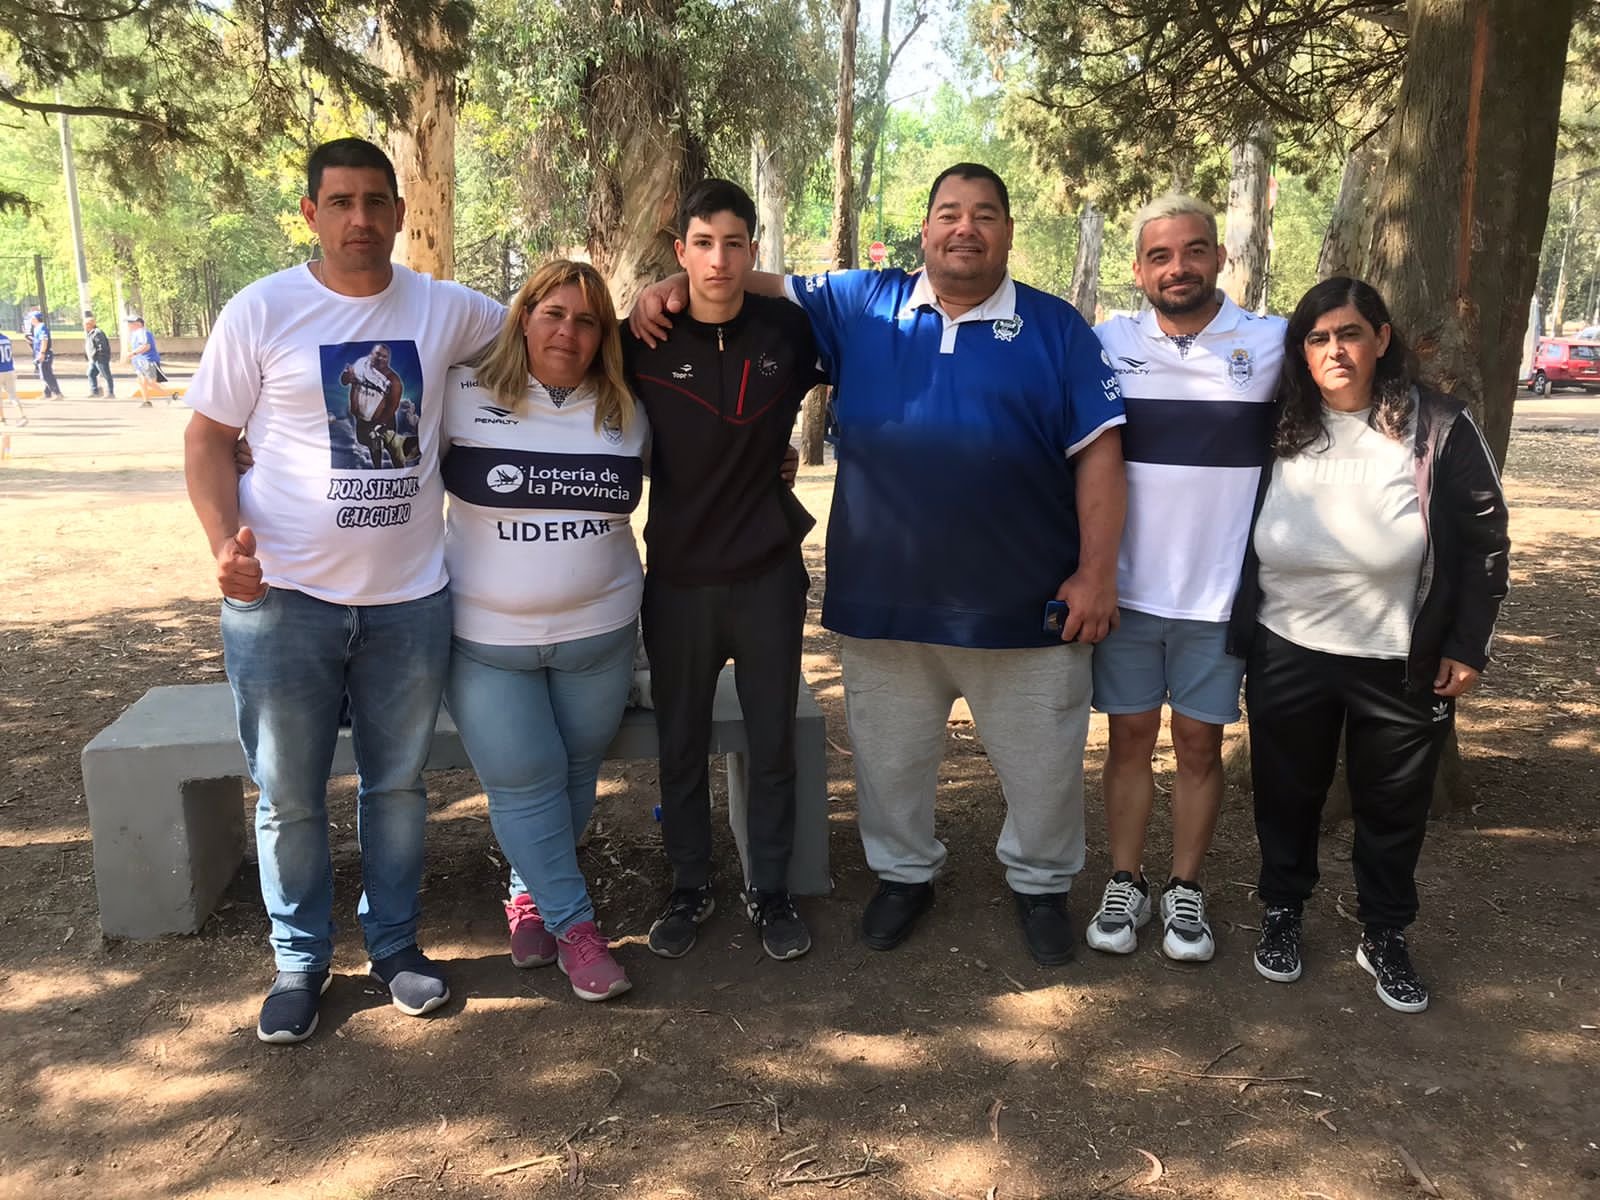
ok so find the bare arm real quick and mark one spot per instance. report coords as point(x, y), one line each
point(213, 481)
point(1102, 500)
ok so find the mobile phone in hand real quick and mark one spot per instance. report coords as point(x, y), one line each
point(1055, 616)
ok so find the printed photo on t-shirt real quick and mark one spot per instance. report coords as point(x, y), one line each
point(373, 394)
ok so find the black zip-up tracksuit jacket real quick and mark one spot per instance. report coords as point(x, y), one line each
point(722, 401)
point(1465, 565)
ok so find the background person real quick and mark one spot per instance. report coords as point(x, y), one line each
point(8, 382)
point(142, 353)
point(97, 348)
point(1378, 562)
point(1197, 375)
point(546, 582)
point(44, 354)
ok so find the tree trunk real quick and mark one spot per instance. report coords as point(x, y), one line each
point(121, 303)
point(1593, 307)
point(1464, 204)
point(1558, 305)
point(635, 107)
point(843, 251)
point(1466, 194)
point(1086, 270)
point(1347, 246)
point(1245, 276)
point(878, 115)
point(422, 144)
point(771, 199)
point(813, 425)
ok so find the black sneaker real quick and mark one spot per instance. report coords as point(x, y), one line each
point(415, 985)
point(1278, 951)
point(674, 931)
point(783, 933)
point(1046, 928)
point(1383, 955)
point(892, 914)
point(289, 1013)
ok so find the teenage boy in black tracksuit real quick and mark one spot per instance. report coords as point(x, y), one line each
point(725, 576)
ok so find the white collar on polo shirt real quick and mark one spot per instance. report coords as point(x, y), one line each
point(1002, 302)
point(1226, 320)
point(1001, 305)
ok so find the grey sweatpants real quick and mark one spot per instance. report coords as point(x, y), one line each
point(1032, 710)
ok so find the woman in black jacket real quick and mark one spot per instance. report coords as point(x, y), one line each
point(1376, 566)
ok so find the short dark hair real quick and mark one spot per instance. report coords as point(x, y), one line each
point(972, 171)
point(712, 196)
point(348, 152)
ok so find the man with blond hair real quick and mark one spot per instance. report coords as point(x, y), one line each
point(1197, 374)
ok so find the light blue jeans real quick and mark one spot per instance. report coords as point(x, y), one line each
point(536, 721)
point(291, 659)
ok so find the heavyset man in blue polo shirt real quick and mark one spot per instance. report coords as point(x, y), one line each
point(980, 478)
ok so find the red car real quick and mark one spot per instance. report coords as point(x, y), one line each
point(1565, 362)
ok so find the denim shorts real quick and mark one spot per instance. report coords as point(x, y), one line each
point(1148, 660)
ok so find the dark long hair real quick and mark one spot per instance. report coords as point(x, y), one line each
point(1300, 422)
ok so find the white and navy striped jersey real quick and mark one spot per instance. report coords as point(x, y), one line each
point(1199, 424)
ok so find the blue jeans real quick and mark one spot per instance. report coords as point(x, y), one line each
point(536, 721)
point(100, 370)
point(291, 658)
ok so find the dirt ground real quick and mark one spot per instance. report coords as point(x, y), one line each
point(951, 1067)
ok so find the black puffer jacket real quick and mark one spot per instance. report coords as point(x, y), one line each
point(1465, 565)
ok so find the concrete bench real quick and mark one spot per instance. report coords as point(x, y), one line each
point(165, 788)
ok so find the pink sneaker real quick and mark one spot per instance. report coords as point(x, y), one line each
point(532, 945)
point(585, 959)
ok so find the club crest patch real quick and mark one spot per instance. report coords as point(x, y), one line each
point(1240, 368)
point(1007, 328)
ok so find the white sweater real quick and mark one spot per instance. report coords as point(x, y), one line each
point(1341, 540)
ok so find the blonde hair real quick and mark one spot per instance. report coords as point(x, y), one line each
point(504, 367)
point(1172, 205)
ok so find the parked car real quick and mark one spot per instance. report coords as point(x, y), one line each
point(1565, 362)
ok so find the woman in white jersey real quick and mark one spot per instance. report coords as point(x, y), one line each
point(1376, 567)
point(544, 465)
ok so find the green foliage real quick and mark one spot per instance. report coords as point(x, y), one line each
point(217, 80)
point(1298, 223)
point(165, 245)
point(554, 87)
point(1126, 100)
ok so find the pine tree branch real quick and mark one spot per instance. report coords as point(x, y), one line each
point(164, 126)
point(1247, 76)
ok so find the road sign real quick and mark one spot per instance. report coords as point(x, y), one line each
point(877, 252)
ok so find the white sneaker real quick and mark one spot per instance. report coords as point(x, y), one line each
point(1186, 937)
point(1124, 910)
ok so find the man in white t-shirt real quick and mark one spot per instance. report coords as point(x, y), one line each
point(331, 565)
point(1198, 375)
